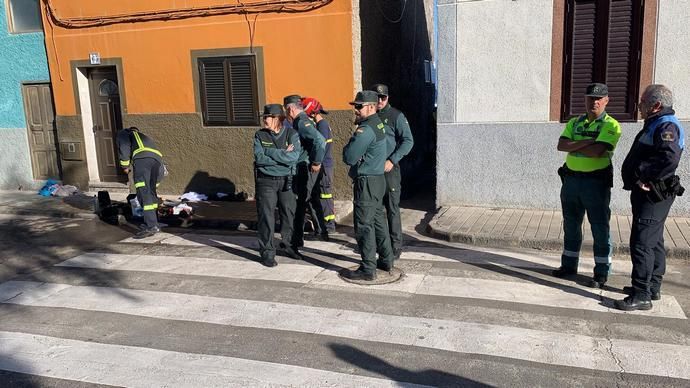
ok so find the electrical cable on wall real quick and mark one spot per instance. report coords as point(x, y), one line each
point(55, 51)
point(250, 26)
point(252, 7)
point(252, 31)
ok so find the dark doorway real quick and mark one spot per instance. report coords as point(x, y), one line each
point(40, 122)
point(107, 120)
point(396, 51)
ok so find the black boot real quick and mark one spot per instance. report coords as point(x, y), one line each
point(597, 281)
point(359, 274)
point(292, 253)
point(563, 272)
point(146, 232)
point(384, 265)
point(633, 303)
point(656, 295)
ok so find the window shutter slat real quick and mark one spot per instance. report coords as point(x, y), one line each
point(619, 55)
point(229, 91)
point(214, 92)
point(242, 90)
point(603, 45)
point(582, 53)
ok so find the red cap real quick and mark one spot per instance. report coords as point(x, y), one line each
point(312, 106)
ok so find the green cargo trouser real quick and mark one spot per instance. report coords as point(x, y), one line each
point(371, 227)
point(582, 195)
point(391, 201)
point(270, 191)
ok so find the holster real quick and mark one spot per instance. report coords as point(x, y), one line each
point(562, 171)
point(665, 188)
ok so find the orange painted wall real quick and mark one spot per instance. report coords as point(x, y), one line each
point(307, 53)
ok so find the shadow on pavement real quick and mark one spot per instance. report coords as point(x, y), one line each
point(31, 247)
point(380, 366)
point(501, 264)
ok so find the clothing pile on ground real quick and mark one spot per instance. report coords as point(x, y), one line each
point(54, 189)
point(193, 196)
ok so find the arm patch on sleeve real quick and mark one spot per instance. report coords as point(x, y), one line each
point(668, 136)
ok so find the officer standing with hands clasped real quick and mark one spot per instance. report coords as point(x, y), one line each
point(308, 164)
point(138, 152)
point(649, 173)
point(276, 150)
point(399, 143)
point(365, 153)
point(587, 177)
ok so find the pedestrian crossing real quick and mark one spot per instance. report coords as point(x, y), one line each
point(195, 310)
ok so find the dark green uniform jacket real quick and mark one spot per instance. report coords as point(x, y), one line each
point(270, 157)
point(366, 151)
point(135, 145)
point(398, 134)
point(313, 143)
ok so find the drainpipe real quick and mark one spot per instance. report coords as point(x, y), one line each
point(434, 64)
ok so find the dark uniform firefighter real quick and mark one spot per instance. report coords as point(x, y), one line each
point(366, 153)
point(649, 173)
point(399, 143)
point(276, 150)
point(323, 210)
point(138, 152)
point(587, 177)
point(308, 164)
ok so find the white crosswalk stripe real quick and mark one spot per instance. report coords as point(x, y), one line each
point(140, 367)
point(531, 345)
point(573, 298)
point(44, 354)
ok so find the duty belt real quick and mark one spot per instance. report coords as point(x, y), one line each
point(604, 172)
point(261, 175)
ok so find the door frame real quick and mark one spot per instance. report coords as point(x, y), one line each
point(82, 99)
point(106, 124)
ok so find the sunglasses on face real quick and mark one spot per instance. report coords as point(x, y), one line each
point(382, 97)
point(359, 106)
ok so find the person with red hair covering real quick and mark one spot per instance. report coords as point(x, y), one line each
point(322, 208)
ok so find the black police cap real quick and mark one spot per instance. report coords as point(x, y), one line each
point(292, 99)
point(366, 97)
point(273, 110)
point(380, 89)
point(597, 90)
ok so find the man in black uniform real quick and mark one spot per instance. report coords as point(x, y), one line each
point(649, 172)
point(308, 164)
point(366, 153)
point(138, 151)
point(276, 150)
point(322, 206)
point(399, 143)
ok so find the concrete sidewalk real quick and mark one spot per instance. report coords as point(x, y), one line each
point(542, 229)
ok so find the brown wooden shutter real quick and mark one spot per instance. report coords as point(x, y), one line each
point(622, 64)
point(243, 91)
point(603, 43)
point(582, 57)
point(214, 94)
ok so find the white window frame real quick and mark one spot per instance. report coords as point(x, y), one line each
point(10, 19)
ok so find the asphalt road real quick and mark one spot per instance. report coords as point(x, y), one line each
point(83, 305)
